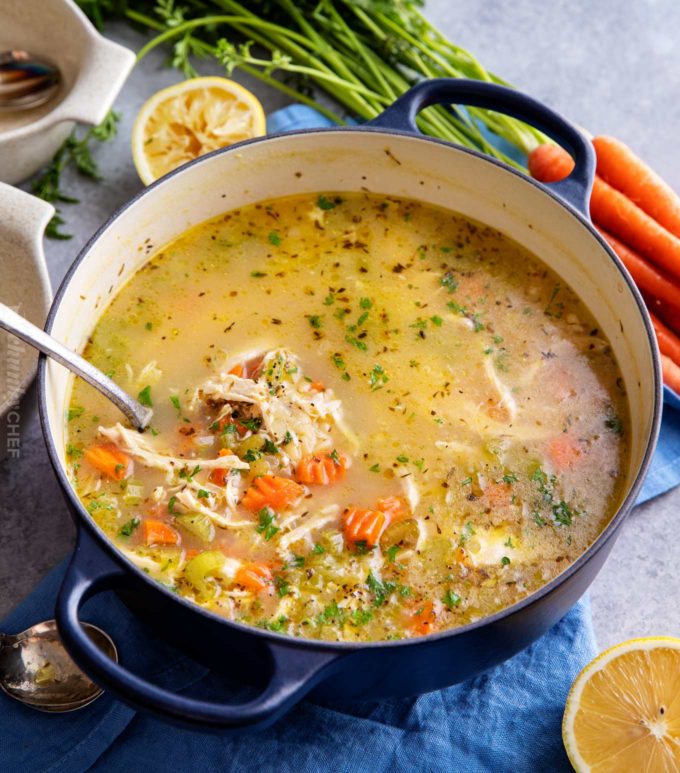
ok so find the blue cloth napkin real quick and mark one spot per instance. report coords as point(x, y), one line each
point(508, 719)
point(505, 720)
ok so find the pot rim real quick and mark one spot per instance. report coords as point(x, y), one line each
point(84, 520)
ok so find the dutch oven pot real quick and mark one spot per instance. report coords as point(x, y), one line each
point(386, 156)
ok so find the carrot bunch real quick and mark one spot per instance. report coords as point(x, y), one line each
point(639, 216)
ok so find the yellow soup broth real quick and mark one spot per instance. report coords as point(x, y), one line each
point(373, 419)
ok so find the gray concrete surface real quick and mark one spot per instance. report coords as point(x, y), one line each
point(612, 66)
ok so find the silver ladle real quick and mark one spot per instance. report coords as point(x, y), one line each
point(26, 81)
point(138, 414)
point(36, 670)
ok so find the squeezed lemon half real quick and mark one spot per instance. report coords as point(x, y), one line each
point(192, 118)
point(623, 710)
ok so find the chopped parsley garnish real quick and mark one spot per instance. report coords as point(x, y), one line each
point(127, 528)
point(365, 303)
point(269, 447)
point(171, 505)
point(361, 547)
point(468, 531)
point(73, 451)
point(318, 549)
point(338, 361)
point(314, 320)
point(76, 412)
point(391, 553)
point(356, 342)
point(436, 320)
point(274, 238)
point(266, 527)
point(374, 467)
point(510, 477)
point(329, 300)
point(282, 586)
point(564, 515)
point(203, 494)
point(175, 401)
point(378, 378)
point(332, 614)
point(149, 326)
point(361, 616)
point(323, 203)
point(186, 475)
point(334, 457)
point(381, 589)
point(449, 281)
point(257, 274)
point(403, 459)
point(276, 625)
point(287, 438)
point(451, 599)
point(251, 455)
point(252, 424)
point(144, 396)
point(505, 561)
point(466, 482)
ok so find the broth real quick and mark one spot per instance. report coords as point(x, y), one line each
point(373, 419)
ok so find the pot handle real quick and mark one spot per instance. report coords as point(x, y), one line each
point(294, 671)
point(575, 189)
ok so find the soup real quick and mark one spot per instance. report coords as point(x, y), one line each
point(373, 419)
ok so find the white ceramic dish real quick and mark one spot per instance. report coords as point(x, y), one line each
point(25, 287)
point(93, 71)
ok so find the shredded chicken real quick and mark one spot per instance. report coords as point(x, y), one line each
point(139, 448)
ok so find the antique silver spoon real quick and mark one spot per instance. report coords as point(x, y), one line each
point(36, 670)
point(138, 414)
point(26, 81)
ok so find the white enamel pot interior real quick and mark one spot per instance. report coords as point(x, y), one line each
point(389, 162)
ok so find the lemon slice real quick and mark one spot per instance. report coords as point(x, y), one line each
point(190, 119)
point(623, 710)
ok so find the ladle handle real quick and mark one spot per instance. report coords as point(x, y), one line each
point(14, 323)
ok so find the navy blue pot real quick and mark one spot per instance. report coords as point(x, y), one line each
point(293, 668)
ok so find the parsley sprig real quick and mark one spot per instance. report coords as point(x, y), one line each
point(76, 151)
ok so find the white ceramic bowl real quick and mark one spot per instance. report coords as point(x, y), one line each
point(93, 71)
point(25, 287)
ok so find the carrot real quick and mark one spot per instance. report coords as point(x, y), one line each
point(667, 313)
point(362, 525)
point(317, 386)
point(550, 163)
point(646, 277)
point(159, 533)
point(321, 470)
point(219, 475)
point(109, 460)
point(498, 494)
point(623, 170)
point(671, 373)
point(669, 343)
point(564, 451)
point(254, 577)
point(273, 491)
point(394, 507)
point(423, 619)
point(611, 209)
point(238, 370)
